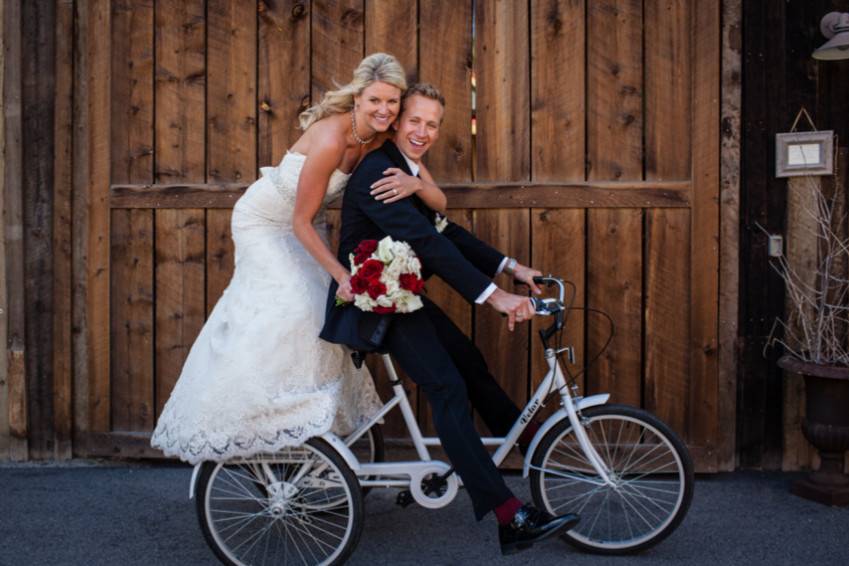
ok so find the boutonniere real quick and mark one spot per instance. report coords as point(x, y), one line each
point(440, 222)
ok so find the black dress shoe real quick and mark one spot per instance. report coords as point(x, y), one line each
point(529, 526)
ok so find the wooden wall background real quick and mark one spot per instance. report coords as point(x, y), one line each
point(597, 157)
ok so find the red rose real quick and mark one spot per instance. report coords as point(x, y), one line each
point(411, 283)
point(359, 285)
point(375, 288)
point(384, 310)
point(360, 258)
point(371, 269)
point(366, 247)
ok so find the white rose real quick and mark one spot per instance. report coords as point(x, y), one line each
point(384, 250)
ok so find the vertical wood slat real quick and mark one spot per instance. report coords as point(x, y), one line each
point(667, 156)
point(15, 428)
point(667, 89)
point(503, 112)
point(337, 43)
point(729, 257)
point(62, 232)
point(558, 146)
point(506, 352)
point(558, 249)
point(284, 75)
point(4, 308)
point(390, 27)
point(614, 284)
point(667, 284)
point(703, 415)
point(131, 295)
point(445, 27)
point(231, 124)
point(503, 152)
point(91, 148)
point(38, 46)
point(558, 105)
point(180, 150)
point(615, 152)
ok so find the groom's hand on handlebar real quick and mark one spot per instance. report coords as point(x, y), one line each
point(525, 274)
point(516, 307)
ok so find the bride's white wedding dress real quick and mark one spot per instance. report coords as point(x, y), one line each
point(258, 377)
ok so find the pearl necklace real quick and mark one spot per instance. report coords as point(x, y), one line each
point(357, 138)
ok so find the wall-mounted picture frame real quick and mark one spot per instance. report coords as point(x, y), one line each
point(804, 153)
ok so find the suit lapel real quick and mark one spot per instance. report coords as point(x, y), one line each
point(397, 158)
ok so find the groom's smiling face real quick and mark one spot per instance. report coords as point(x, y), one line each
point(418, 126)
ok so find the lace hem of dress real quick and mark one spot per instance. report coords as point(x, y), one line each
point(199, 448)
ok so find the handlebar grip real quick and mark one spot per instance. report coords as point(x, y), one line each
point(539, 279)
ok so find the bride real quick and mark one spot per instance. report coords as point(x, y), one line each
point(258, 377)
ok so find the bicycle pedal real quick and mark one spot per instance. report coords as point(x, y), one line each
point(404, 499)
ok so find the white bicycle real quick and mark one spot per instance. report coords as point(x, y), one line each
point(619, 467)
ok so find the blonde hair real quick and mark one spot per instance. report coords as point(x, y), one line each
point(376, 67)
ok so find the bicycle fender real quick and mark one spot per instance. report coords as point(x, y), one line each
point(584, 403)
point(339, 445)
point(195, 474)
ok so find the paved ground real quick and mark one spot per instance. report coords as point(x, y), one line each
point(93, 514)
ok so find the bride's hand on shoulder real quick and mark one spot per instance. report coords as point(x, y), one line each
point(395, 185)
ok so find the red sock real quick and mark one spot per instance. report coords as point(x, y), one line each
point(505, 512)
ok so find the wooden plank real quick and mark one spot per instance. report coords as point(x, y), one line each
point(668, 93)
point(703, 415)
point(231, 123)
point(445, 59)
point(729, 243)
point(132, 320)
point(180, 156)
point(92, 103)
point(4, 384)
point(38, 43)
point(614, 89)
point(592, 194)
point(284, 43)
point(337, 43)
point(614, 236)
point(503, 108)
point(13, 225)
point(558, 239)
point(62, 232)
point(667, 325)
point(558, 106)
point(614, 285)
point(506, 352)
point(390, 27)
point(132, 285)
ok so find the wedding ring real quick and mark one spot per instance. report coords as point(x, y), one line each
point(394, 192)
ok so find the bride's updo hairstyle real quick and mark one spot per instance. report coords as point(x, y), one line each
point(376, 67)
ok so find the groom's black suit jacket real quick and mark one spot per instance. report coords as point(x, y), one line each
point(461, 260)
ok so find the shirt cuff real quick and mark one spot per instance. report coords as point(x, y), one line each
point(502, 265)
point(486, 293)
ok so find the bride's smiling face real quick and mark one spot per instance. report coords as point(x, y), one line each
point(377, 107)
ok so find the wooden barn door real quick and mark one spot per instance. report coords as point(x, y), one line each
point(595, 157)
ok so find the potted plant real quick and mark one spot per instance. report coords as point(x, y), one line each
point(815, 334)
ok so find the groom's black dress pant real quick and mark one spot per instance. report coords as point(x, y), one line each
point(415, 344)
point(490, 401)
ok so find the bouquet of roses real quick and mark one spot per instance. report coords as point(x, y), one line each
point(386, 277)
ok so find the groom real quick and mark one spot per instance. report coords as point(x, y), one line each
point(421, 342)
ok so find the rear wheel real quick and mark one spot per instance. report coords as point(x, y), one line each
point(652, 475)
point(301, 505)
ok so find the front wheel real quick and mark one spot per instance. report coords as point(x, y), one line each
point(651, 472)
point(302, 505)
